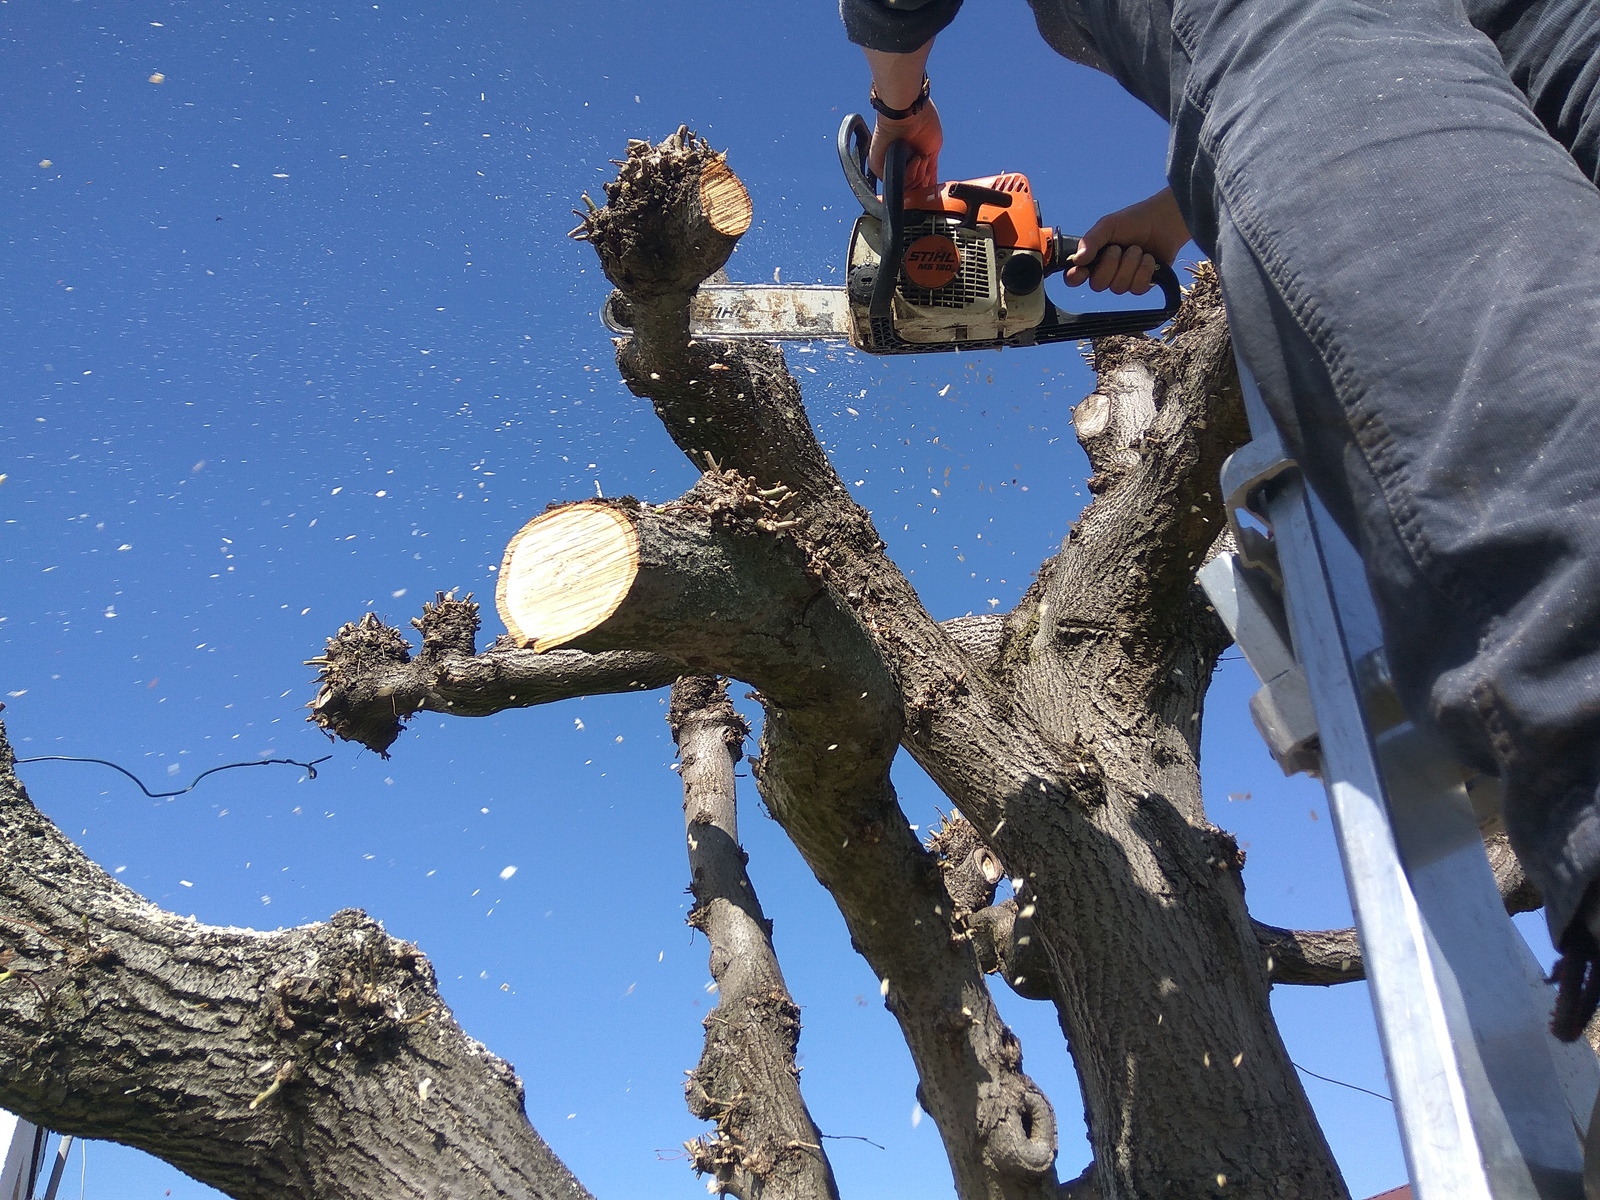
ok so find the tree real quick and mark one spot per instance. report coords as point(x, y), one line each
point(322, 1062)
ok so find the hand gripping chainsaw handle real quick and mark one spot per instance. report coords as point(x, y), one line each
point(855, 140)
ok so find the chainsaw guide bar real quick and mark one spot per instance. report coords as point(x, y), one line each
point(772, 311)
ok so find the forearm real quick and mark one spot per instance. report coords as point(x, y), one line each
point(898, 77)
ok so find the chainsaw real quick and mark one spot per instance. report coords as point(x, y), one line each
point(961, 267)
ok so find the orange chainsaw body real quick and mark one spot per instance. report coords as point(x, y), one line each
point(961, 266)
point(1018, 227)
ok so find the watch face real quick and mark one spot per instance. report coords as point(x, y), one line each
point(932, 261)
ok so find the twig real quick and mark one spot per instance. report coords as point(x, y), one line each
point(284, 1074)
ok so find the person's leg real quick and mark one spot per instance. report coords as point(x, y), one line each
point(1551, 51)
point(1412, 267)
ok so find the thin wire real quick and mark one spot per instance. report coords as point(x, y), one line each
point(1340, 1082)
point(851, 1137)
point(311, 769)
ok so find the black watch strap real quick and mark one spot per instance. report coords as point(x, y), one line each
point(900, 114)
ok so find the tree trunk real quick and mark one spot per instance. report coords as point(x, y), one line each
point(1076, 757)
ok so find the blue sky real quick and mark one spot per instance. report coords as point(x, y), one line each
point(296, 332)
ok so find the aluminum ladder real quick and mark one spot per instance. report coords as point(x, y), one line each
point(1490, 1106)
point(22, 1159)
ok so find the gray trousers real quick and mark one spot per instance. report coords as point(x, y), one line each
point(1411, 262)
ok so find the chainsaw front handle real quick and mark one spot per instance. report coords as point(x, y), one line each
point(894, 225)
point(855, 147)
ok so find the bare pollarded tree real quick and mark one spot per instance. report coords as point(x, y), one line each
point(321, 1062)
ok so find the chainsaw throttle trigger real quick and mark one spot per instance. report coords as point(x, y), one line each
point(975, 197)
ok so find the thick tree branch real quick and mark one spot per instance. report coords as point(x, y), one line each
point(1311, 956)
point(712, 580)
point(371, 685)
point(765, 1144)
point(998, 1128)
point(1329, 956)
point(317, 1062)
point(1164, 415)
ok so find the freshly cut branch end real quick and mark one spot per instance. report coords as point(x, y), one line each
point(724, 200)
point(565, 572)
point(671, 219)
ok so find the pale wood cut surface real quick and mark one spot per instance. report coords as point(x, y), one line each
point(565, 572)
point(724, 200)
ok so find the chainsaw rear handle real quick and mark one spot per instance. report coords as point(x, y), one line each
point(1165, 277)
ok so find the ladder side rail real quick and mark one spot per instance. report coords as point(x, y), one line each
point(19, 1152)
point(1512, 1068)
point(1529, 1095)
point(1441, 1147)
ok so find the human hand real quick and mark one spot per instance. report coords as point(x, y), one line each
point(1135, 240)
point(924, 136)
point(897, 80)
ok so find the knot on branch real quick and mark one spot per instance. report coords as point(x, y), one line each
point(351, 994)
point(1202, 301)
point(1006, 944)
point(31, 956)
point(738, 503)
point(934, 693)
point(704, 699)
point(971, 870)
point(671, 219)
point(752, 1138)
point(359, 648)
point(448, 626)
point(1017, 1125)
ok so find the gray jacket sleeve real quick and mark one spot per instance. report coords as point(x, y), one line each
point(896, 26)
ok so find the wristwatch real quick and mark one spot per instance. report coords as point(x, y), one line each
point(900, 114)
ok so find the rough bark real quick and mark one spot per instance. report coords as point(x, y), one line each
point(1318, 957)
point(1158, 978)
point(765, 1143)
point(316, 1062)
point(371, 684)
point(1077, 758)
point(719, 585)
